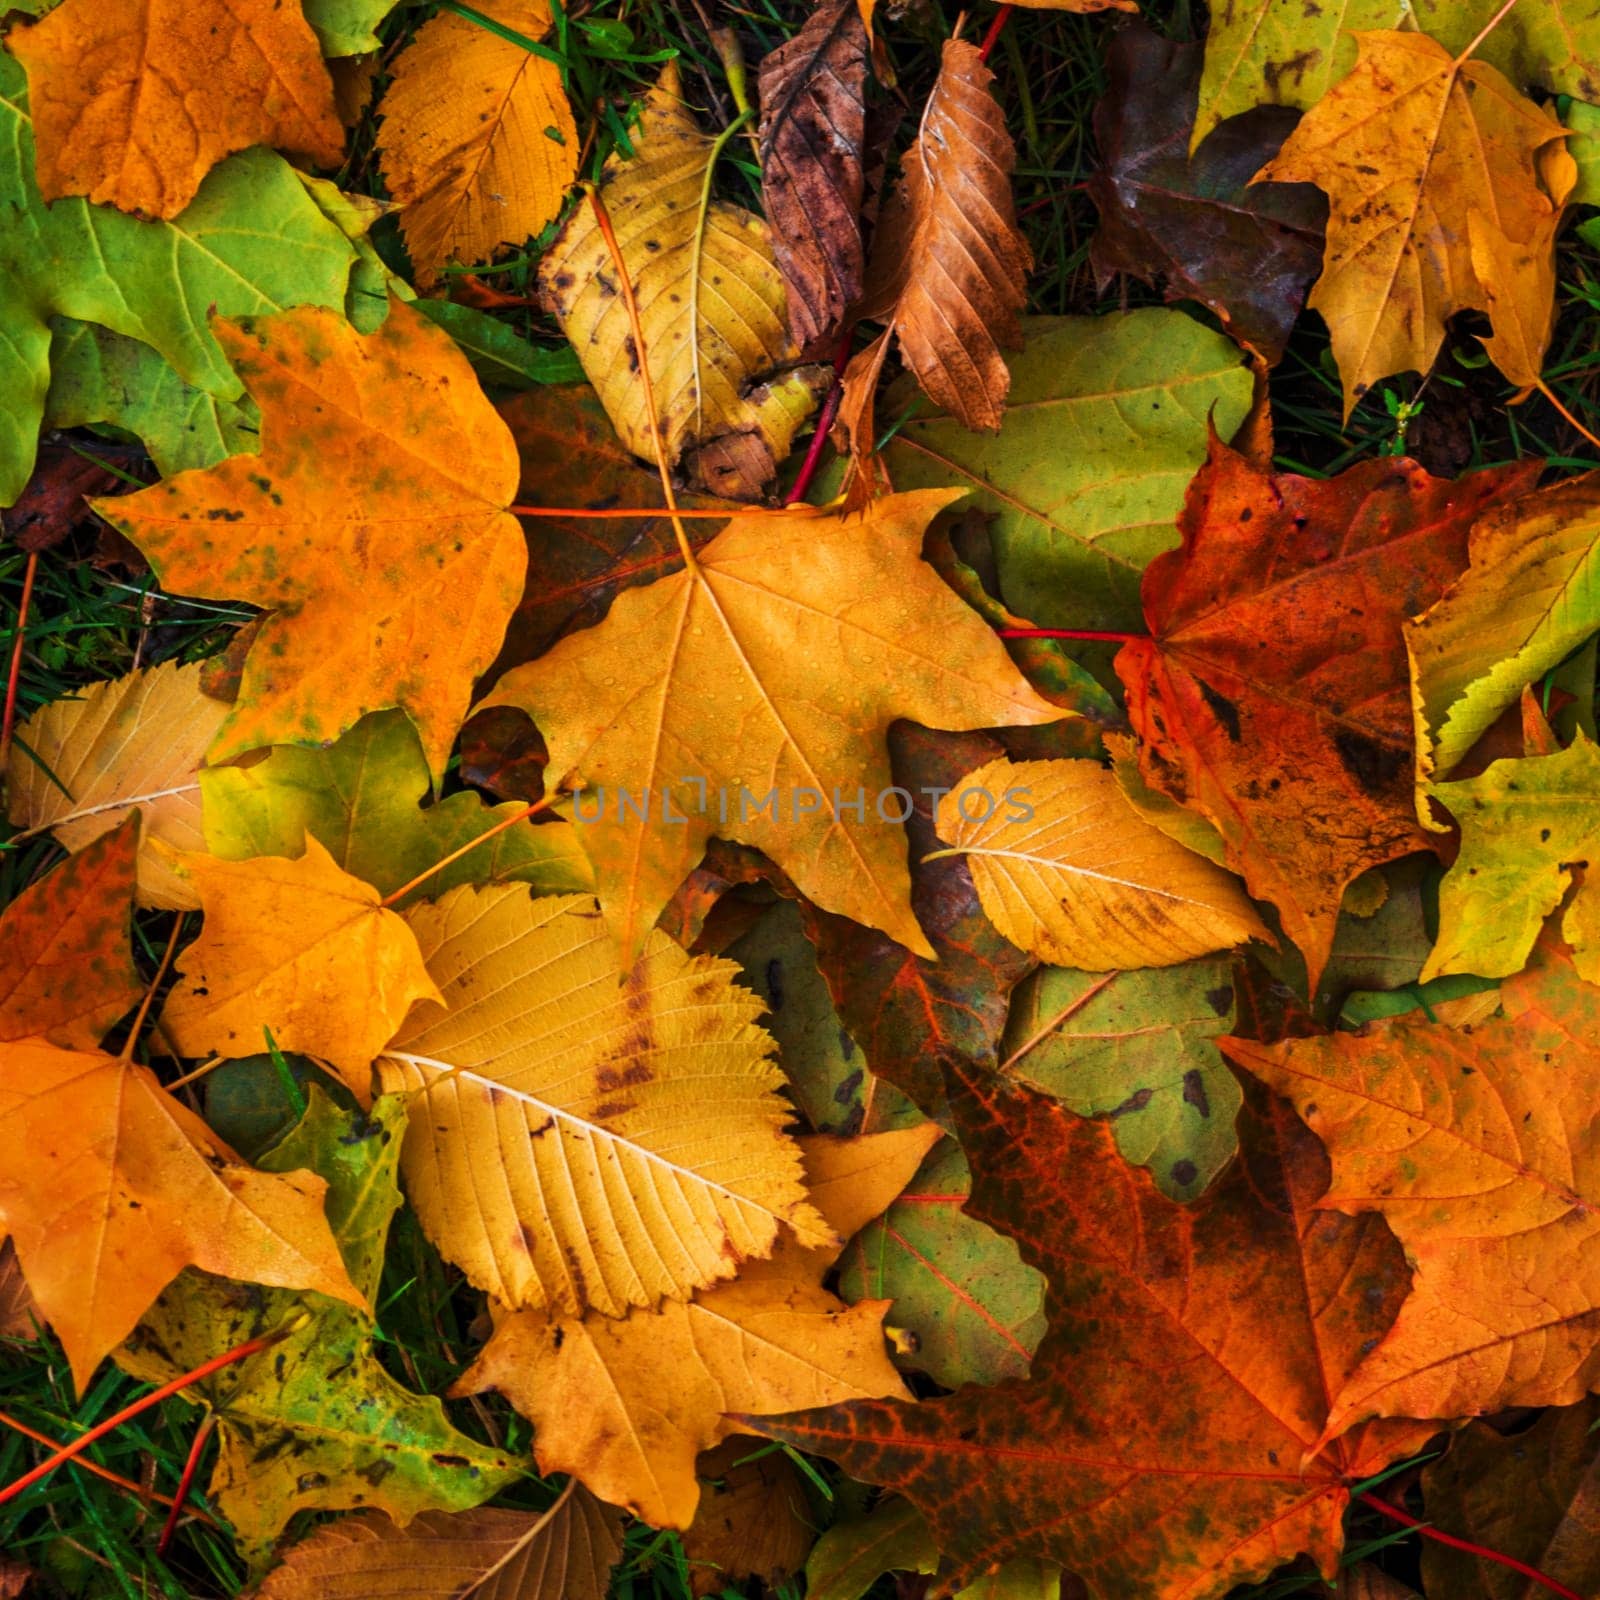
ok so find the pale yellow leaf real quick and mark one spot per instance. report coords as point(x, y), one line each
point(627, 1403)
point(580, 1135)
point(712, 307)
point(1066, 869)
point(83, 763)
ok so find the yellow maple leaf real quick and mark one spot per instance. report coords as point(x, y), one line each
point(478, 142)
point(768, 672)
point(373, 523)
point(626, 1403)
point(582, 1134)
point(1069, 871)
point(1444, 195)
point(299, 947)
point(134, 104)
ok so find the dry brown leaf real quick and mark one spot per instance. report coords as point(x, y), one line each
point(753, 1520)
point(813, 129)
point(711, 302)
point(625, 1404)
point(564, 1554)
point(478, 142)
point(704, 688)
point(949, 266)
point(138, 741)
point(134, 104)
point(1445, 188)
point(582, 1134)
point(299, 947)
point(1066, 869)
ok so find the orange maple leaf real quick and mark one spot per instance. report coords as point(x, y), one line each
point(373, 525)
point(1477, 1144)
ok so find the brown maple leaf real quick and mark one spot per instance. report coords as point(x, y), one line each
point(1273, 696)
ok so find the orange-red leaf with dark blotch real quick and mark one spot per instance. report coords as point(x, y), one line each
point(1165, 1445)
point(66, 964)
point(1272, 696)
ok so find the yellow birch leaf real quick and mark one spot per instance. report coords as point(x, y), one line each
point(750, 698)
point(138, 740)
point(712, 308)
point(1438, 203)
point(478, 142)
point(582, 1134)
point(299, 947)
point(134, 104)
point(625, 1404)
point(1066, 869)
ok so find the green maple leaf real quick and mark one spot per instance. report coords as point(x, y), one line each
point(252, 241)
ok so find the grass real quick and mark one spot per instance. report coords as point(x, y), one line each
point(87, 623)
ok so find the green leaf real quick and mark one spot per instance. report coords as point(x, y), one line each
point(1529, 598)
point(100, 376)
point(347, 27)
point(1281, 53)
point(1137, 1047)
point(1105, 425)
point(974, 1311)
point(362, 798)
point(828, 1075)
point(1524, 825)
point(500, 356)
point(315, 1422)
point(1584, 147)
point(856, 1551)
point(252, 241)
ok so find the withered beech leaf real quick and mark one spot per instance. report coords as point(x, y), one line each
point(948, 262)
point(813, 132)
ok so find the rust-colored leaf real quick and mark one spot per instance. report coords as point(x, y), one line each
point(1273, 695)
point(949, 263)
point(1475, 1145)
point(66, 964)
point(1169, 1440)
